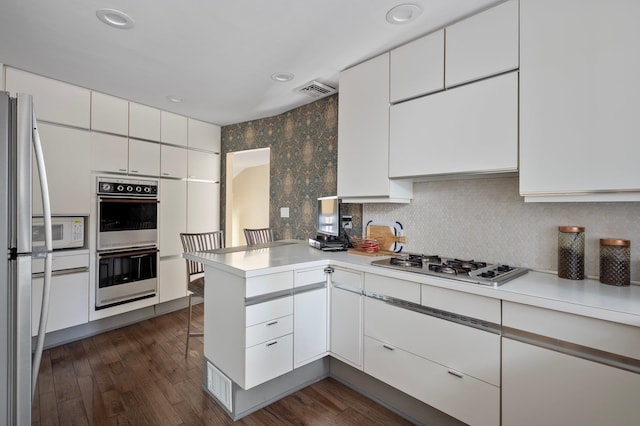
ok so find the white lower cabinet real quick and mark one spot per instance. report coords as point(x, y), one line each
point(464, 397)
point(172, 279)
point(545, 387)
point(310, 316)
point(69, 294)
point(346, 316)
point(268, 360)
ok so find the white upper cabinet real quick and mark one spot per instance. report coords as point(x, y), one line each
point(67, 154)
point(482, 45)
point(109, 153)
point(203, 166)
point(203, 135)
point(173, 128)
point(579, 92)
point(144, 122)
point(109, 114)
point(476, 124)
point(417, 68)
point(144, 158)
point(363, 135)
point(173, 161)
point(53, 100)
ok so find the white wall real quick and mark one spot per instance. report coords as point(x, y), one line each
point(250, 201)
point(486, 219)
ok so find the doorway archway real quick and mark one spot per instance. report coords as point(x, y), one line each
point(247, 193)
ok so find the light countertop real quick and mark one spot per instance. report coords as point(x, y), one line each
point(586, 297)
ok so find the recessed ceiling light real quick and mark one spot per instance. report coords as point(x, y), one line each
point(115, 18)
point(175, 99)
point(403, 13)
point(282, 77)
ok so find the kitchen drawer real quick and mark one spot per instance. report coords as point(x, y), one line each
point(268, 330)
point(268, 360)
point(392, 287)
point(264, 284)
point(608, 336)
point(266, 311)
point(469, 350)
point(346, 278)
point(470, 305)
point(463, 397)
point(309, 276)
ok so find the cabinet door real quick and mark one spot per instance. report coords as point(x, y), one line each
point(463, 397)
point(346, 326)
point(173, 162)
point(579, 111)
point(417, 68)
point(173, 128)
point(268, 360)
point(67, 154)
point(109, 153)
point(203, 166)
point(173, 216)
point(309, 326)
point(477, 124)
point(172, 280)
point(570, 390)
point(203, 206)
point(144, 158)
point(109, 114)
point(68, 302)
point(483, 45)
point(204, 135)
point(53, 100)
point(144, 122)
point(363, 129)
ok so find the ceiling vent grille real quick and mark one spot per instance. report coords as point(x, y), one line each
point(316, 89)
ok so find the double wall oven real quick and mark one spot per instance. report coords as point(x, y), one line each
point(127, 240)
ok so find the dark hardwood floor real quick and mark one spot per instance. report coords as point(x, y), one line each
point(138, 375)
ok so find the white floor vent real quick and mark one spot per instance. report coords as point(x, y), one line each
point(220, 386)
point(315, 89)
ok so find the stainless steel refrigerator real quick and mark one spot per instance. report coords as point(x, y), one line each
point(20, 150)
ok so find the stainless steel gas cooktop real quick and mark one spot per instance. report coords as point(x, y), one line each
point(462, 270)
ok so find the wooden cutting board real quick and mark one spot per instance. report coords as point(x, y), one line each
point(385, 236)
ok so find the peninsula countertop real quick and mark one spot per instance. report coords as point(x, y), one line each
point(585, 297)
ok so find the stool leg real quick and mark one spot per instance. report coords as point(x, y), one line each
point(186, 351)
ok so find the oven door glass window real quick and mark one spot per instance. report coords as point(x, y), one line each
point(127, 214)
point(125, 268)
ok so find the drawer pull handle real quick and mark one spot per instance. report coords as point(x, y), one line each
point(455, 373)
point(272, 343)
point(272, 323)
point(388, 347)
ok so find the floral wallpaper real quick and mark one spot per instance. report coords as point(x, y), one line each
point(304, 156)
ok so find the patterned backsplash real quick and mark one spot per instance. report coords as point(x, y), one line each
point(488, 220)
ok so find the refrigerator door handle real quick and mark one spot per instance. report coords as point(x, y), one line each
point(46, 210)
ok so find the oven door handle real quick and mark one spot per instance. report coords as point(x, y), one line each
point(130, 254)
point(129, 200)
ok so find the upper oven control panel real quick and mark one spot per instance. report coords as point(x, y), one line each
point(127, 187)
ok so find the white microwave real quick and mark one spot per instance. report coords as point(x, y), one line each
point(66, 232)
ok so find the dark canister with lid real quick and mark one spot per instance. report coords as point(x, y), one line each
point(571, 252)
point(615, 262)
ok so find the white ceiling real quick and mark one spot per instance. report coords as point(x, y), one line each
point(218, 55)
